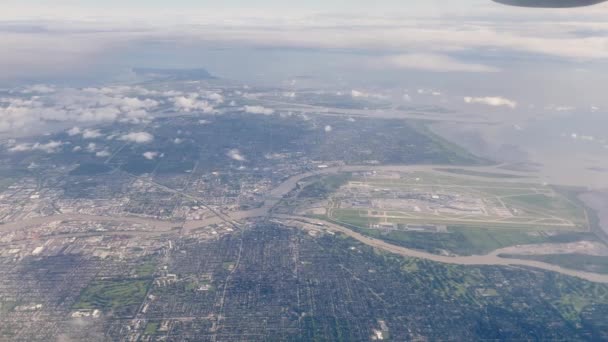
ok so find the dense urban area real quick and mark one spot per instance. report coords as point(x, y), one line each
point(214, 211)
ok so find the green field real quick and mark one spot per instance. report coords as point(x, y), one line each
point(146, 269)
point(506, 204)
point(554, 205)
point(506, 213)
point(122, 296)
point(323, 186)
point(465, 172)
point(438, 178)
point(462, 240)
point(361, 218)
point(151, 328)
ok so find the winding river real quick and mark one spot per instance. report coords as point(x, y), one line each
point(289, 184)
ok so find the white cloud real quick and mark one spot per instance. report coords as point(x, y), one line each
point(50, 147)
point(434, 62)
point(328, 128)
point(103, 154)
point(432, 92)
point(123, 90)
point(21, 148)
point(91, 147)
point(564, 108)
point(258, 110)
point(178, 141)
point(74, 131)
point(192, 103)
point(91, 134)
point(362, 94)
point(172, 93)
point(495, 101)
point(133, 103)
point(19, 114)
point(38, 88)
point(150, 155)
point(138, 137)
point(356, 93)
point(216, 97)
point(236, 155)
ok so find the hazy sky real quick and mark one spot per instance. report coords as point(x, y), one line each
point(523, 67)
point(321, 5)
point(442, 39)
point(159, 9)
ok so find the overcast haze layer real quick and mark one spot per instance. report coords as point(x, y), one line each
point(516, 65)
